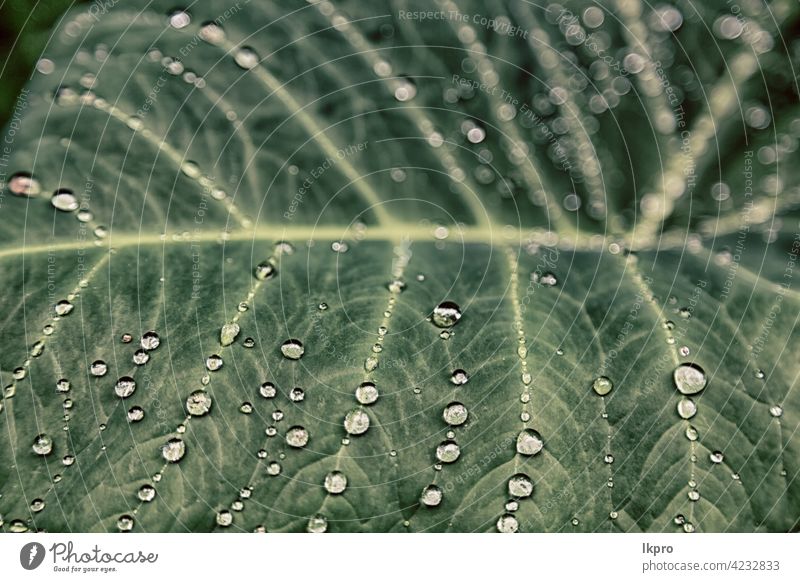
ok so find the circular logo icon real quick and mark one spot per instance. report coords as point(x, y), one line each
point(31, 555)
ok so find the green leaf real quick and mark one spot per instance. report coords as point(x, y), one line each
point(289, 201)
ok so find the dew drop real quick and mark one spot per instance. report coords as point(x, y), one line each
point(520, 485)
point(459, 377)
point(43, 445)
point(687, 408)
point(776, 411)
point(62, 386)
point(335, 482)
point(179, 19)
point(274, 469)
point(267, 390)
point(98, 368)
point(140, 357)
point(446, 314)
point(431, 496)
point(214, 362)
point(602, 385)
point(125, 387)
point(455, 414)
point(246, 58)
point(366, 393)
point(150, 341)
point(224, 518)
point(448, 452)
point(23, 184)
point(64, 200)
point(317, 524)
point(135, 414)
point(37, 505)
point(689, 378)
point(246, 408)
point(174, 450)
point(125, 523)
point(297, 394)
point(529, 442)
point(339, 247)
point(356, 422)
point(264, 271)
point(228, 333)
point(716, 457)
point(691, 433)
point(297, 437)
point(544, 279)
point(198, 403)
point(212, 33)
point(146, 493)
point(292, 349)
point(63, 308)
point(507, 524)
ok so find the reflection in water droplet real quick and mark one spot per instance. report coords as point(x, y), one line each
point(292, 349)
point(455, 414)
point(529, 442)
point(297, 437)
point(448, 452)
point(431, 496)
point(446, 314)
point(602, 385)
point(335, 482)
point(689, 378)
point(356, 422)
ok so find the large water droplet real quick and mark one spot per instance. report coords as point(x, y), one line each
point(214, 362)
point(431, 496)
point(198, 403)
point(356, 422)
point(448, 451)
point(224, 518)
point(507, 524)
point(98, 368)
point(455, 414)
point(366, 393)
point(64, 200)
point(687, 408)
point(228, 334)
point(174, 450)
point(297, 437)
point(212, 33)
point(776, 411)
point(135, 414)
point(146, 493)
point(43, 445)
point(529, 442)
point(446, 314)
point(602, 385)
point(335, 482)
point(124, 387)
point(23, 184)
point(268, 390)
point(689, 378)
point(292, 349)
point(150, 341)
point(125, 523)
point(317, 524)
point(520, 485)
point(64, 307)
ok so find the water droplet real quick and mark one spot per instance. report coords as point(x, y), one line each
point(43, 445)
point(322, 306)
point(174, 450)
point(23, 184)
point(135, 414)
point(446, 314)
point(507, 524)
point(267, 390)
point(529, 442)
point(246, 408)
point(62, 385)
point(64, 200)
point(544, 279)
point(150, 341)
point(339, 247)
point(265, 270)
point(716, 457)
point(602, 385)
point(356, 422)
point(370, 364)
point(224, 518)
point(274, 469)
point(317, 524)
point(455, 414)
point(124, 387)
point(520, 485)
point(246, 58)
point(198, 403)
point(366, 393)
point(693, 495)
point(146, 493)
point(140, 357)
point(214, 362)
point(448, 452)
point(459, 377)
point(691, 433)
point(297, 394)
point(687, 408)
point(608, 459)
point(776, 411)
point(64, 307)
point(689, 378)
point(125, 523)
point(277, 415)
point(297, 437)
point(759, 374)
point(292, 349)
point(249, 342)
point(179, 19)
point(98, 368)
point(335, 482)
point(431, 496)
point(212, 33)
point(228, 334)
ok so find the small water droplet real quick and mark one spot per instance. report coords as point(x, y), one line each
point(214, 362)
point(274, 468)
point(448, 451)
point(431, 496)
point(529, 442)
point(292, 349)
point(297, 394)
point(23, 184)
point(125, 523)
point(691, 433)
point(246, 57)
point(356, 422)
point(140, 357)
point(63, 308)
point(693, 495)
point(62, 385)
point(224, 518)
point(455, 414)
point(608, 459)
point(776, 411)
point(546, 279)
point(716, 457)
point(135, 414)
point(602, 385)
point(459, 377)
point(520, 485)
point(339, 247)
point(174, 450)
point(366, 393)
point(317, 524)
point(246, 408)
point(267, 390)
point(335, 482)
point(446, 314)
point(689, 378)
point(212, 33)
point(265, 270)
point(507, 524)
point(297, 437)
point(146, 493)
point(687, 408)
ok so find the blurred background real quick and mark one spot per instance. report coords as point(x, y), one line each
point(25, 26)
